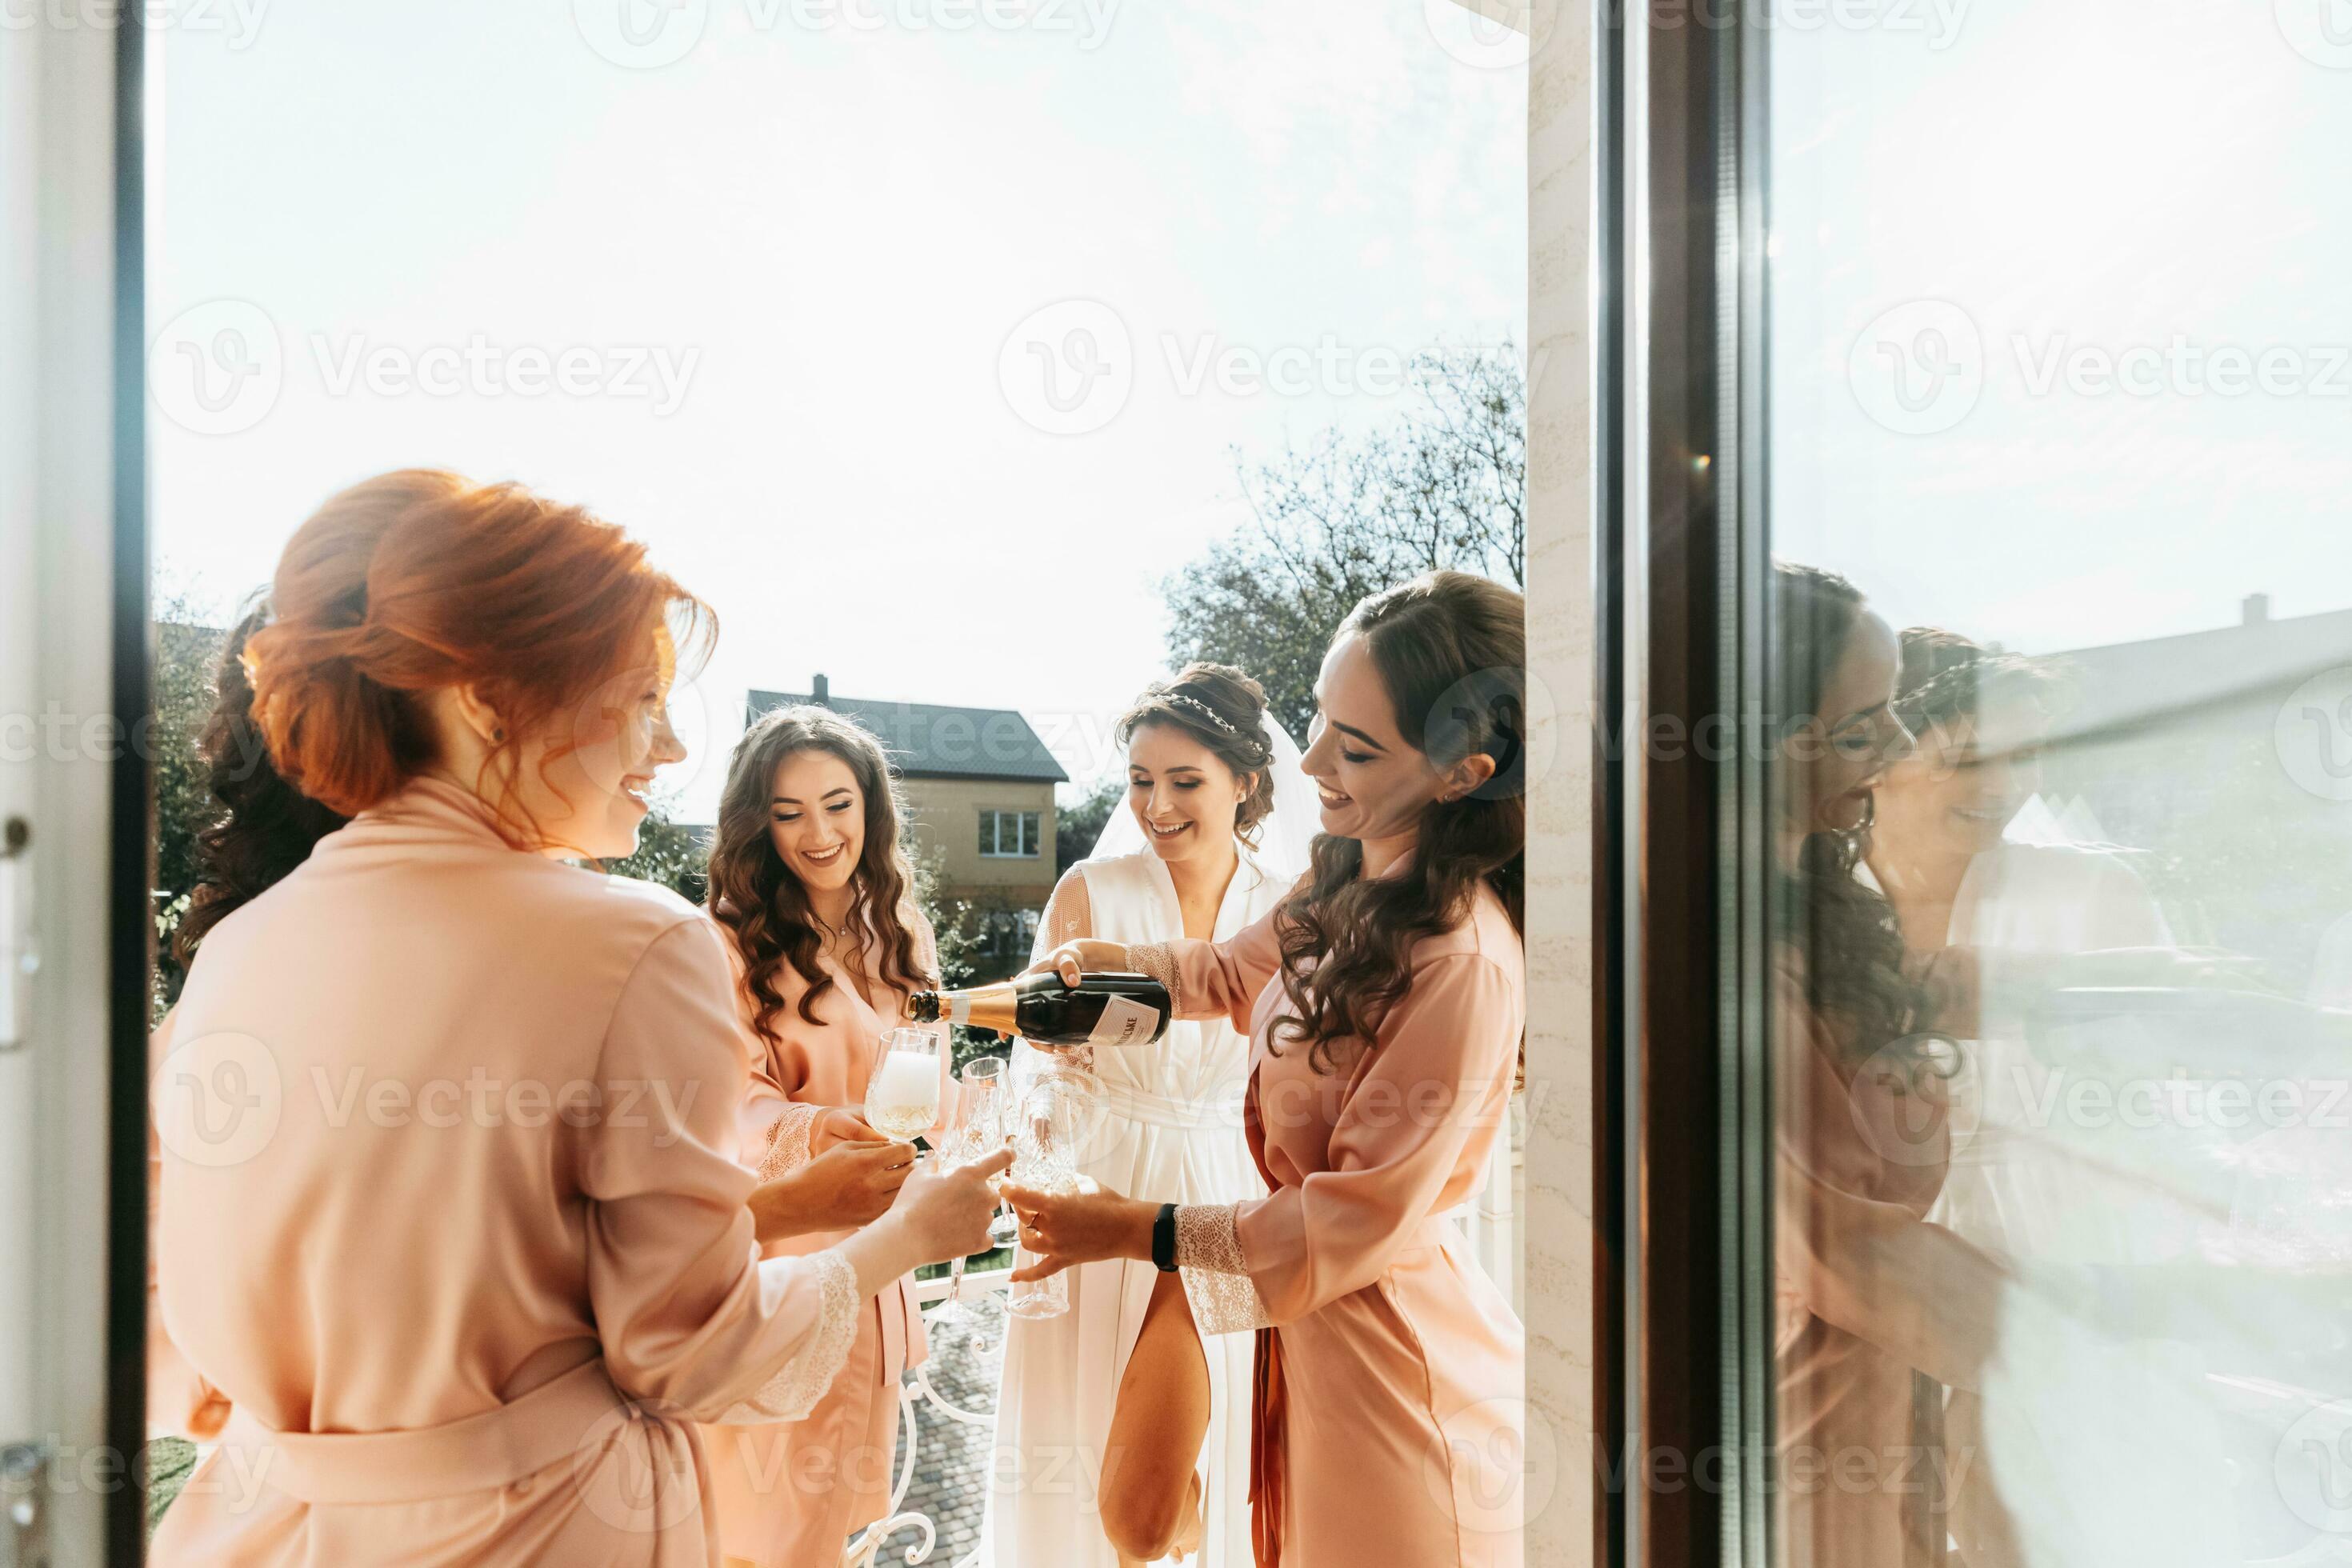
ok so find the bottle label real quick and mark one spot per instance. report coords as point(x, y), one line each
point(959, 1006)
point(1124, 1022)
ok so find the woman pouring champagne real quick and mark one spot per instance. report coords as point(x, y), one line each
point(1384, 999)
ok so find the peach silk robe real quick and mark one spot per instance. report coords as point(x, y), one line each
point(1388, 1423)
point(793, 1494)
point(450, 1212)
point(1877, 1310)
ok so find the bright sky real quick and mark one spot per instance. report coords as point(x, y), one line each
point(824, 234)
point(2077, 181)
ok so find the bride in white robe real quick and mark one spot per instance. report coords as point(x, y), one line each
point(1170, 1125)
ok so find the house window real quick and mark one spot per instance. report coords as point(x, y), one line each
point(1005, 835)
point(1005, 941)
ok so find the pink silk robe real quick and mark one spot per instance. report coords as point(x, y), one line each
point(1868, 1293)
point(450, 1212)
point(1401, 1418)
point(792, 1493)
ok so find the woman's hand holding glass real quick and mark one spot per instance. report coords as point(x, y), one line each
point(1055, 1117)
point(1061, 1228)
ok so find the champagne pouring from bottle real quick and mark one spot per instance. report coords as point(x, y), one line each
point(1067, 1009)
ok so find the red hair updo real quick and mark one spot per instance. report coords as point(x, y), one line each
point(420, 580)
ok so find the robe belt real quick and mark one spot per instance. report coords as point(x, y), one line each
point(1269, 1415)
point(562, 1418)
point(1169, 1110)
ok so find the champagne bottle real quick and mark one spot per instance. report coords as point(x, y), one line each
point(1106, 1009)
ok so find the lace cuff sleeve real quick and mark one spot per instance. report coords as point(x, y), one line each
point(802, 1381)
point(1152, 958)
point(1224, 1298)
point(788, 1142)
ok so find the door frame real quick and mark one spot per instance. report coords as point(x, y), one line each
point(1681, 561)
point(73, 541)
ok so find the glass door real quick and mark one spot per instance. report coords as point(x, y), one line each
point(2053, 858)
point(1980, 665)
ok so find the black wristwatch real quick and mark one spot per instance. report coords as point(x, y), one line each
point(1163, 1239)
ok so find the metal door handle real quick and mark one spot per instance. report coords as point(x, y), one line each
point(18, 959)
point(24, 1526)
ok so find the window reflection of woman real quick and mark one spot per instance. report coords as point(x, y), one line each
point(1940, 849)
point(1875, 1306)
point(1959, 888)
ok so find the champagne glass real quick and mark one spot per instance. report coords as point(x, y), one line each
point(1054, 1120)
point(902, 1089)
point(980, 1127)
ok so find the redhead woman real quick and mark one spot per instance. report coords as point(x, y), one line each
point(810, 888)
point(449, 1212)
point(1385, 1004)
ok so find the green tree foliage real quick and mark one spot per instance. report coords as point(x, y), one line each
point(1077, 825)
point(668, 852)
point(187, 655)
point(1444, 484)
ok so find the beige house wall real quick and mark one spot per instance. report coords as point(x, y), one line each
point(1559, 1218)
point(946, 814)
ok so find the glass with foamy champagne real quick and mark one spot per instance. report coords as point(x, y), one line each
point(902, 1092)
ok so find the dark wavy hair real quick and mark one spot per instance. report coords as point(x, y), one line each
point(1855, 980)
point(763, 905)
point(1195, 701)
point(265, 827)
point(1451, 650)
point(1948, 679)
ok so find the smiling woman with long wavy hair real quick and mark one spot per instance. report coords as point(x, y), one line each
point(1386, 1003)
point(810, 884)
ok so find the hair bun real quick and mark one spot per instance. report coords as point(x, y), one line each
point(338, 736)
point(419, 580)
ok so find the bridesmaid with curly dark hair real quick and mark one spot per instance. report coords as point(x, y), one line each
point(1385, 1000)
point(810, 886)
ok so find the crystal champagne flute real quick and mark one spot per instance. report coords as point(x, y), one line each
point(1055, 1119)
point(979, 1128)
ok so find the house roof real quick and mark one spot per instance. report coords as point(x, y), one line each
point(2125, 686)
point(928, 740)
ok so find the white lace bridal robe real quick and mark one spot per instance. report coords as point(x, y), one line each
point(1170, 1132)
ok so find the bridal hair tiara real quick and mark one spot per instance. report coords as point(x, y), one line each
point(1213, 717)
